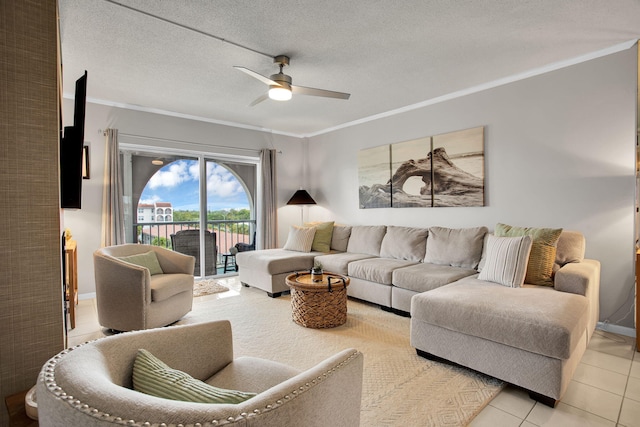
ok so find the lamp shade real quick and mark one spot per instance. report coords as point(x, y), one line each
point(301, 197)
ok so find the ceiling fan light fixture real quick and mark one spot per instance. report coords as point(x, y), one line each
point(279, 93)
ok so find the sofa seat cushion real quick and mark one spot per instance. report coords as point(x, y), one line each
point(424, 277)
point(378, 270)
point(164, 286)
point(537, 319)
point(338, 262)
point(276, 261)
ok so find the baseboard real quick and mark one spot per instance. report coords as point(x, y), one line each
point(622, 330)
point(90, 295)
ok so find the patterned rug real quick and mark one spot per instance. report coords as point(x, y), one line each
point(204, 287)
point(399, 387)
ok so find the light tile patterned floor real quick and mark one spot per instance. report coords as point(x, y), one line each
point(604, 391)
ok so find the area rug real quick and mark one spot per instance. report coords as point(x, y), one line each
point(207, 287)
point(399, 387)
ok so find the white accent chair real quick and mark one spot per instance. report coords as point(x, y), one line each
point(91, 384)
point(129, 298)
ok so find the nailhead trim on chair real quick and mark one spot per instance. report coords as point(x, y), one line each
point(49, 379)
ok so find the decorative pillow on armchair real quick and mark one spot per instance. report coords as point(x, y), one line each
point(152, 376)
point(147, 259)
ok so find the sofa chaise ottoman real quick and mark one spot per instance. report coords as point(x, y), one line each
point(530, 336)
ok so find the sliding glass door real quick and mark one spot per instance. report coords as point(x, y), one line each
point(191, 204)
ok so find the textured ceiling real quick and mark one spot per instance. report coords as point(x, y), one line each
point(386, 54)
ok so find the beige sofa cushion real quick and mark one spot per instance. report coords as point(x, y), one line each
point(340, 237)
point(533, 318)
point(277, 261)
point(424, 277)
point(457, 247)
point(405, 243)
point(378, 270)
point(338, 262)
point(366, 239)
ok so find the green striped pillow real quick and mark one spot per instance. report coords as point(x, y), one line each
point(152, 376)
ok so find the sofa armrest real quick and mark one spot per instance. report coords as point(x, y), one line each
point(578, 277)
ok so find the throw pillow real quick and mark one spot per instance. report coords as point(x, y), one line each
point(147, 259)
point(457, 247)
point(300, 239)
point(366, 239)
point(406, 243)
point(506, 262)
point(322, 238)
point(152, 376)
point(340, 237)
point(543, 251)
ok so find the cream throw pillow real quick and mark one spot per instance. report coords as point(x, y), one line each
point(543, 251)
point(152, 376)
point(507, 259)
point(300, 239)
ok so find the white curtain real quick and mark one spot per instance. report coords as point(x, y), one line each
point(112, 200)
point(268, 218)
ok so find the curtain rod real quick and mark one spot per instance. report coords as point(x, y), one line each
point(199, 144)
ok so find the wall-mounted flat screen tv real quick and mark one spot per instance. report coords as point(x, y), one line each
point(71, 146)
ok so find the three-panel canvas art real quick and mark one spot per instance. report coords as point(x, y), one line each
point(434, 171)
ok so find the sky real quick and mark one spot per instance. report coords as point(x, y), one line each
point(178, 183)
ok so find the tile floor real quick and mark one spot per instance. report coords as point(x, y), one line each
point(605, 390)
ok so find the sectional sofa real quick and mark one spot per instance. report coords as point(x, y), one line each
point(475, 298)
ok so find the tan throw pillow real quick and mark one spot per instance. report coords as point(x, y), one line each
point(300, 239)
point(543, 251)
point(506, 262)
point(147, 259)
point(322, 238)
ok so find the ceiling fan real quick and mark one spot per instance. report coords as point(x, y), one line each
point(280, 87)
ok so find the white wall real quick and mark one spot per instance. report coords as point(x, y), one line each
point(85, 224)
point(559, 152)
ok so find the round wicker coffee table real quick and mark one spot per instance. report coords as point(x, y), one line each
point(320, 304)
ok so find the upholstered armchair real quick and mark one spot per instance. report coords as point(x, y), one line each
point(92, 384)
point(142, 286)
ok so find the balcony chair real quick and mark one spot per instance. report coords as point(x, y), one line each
point(244, 247)
point(92, 384)
point(142, 286)
point(188, 242)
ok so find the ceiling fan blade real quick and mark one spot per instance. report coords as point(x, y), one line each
point(263, 79)
point(259, 99)
point(301, 90)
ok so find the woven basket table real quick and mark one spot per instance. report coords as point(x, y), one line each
point(320, 304)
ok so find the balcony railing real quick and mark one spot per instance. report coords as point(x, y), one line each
point(228, 233)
